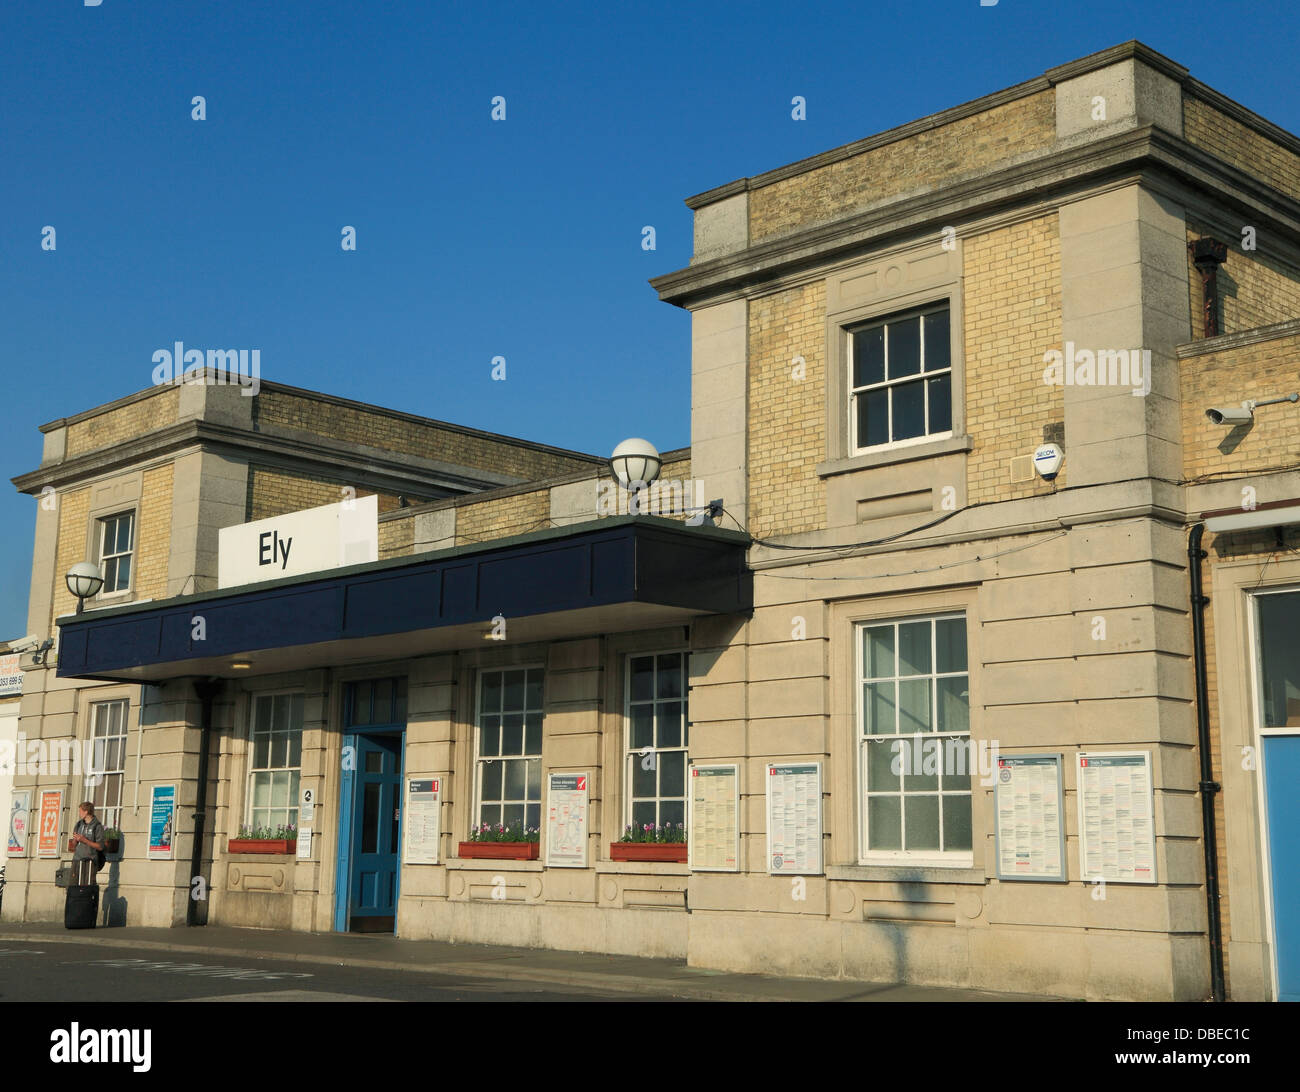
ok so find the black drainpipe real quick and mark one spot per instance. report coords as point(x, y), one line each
point(206, 689)
point(1208, 785)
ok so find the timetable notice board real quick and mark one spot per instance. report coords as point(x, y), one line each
point(713, 826)
point(794, 819)
point(1117, 839)
point(1030, 831)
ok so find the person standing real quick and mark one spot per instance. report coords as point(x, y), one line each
point(88, 845)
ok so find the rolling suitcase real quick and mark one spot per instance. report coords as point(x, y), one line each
point(82, 903)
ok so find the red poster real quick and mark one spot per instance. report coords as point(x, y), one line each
point(47, 834)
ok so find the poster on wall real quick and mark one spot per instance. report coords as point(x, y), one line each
point(713, 823)
point(422, 820)
point(162, 822)
point(1028, 804)
point(19, 806)
point(11, 675)
point(47, 834)
point(1117, 840)
point(566, 820)
point(794, 819)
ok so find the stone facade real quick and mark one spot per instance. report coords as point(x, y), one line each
point(1038, 222)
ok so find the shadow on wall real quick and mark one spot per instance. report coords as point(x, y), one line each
point(112, 904)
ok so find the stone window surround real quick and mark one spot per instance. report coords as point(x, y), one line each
point(469, 663)
point(1233, 585)
point(913, 278)
point(87, 698)
point(844, 852)
point(131, 487)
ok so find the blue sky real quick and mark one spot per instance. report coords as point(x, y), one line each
point(475, 238)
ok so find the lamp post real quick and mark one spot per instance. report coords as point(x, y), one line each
point(635, 464)
point(83, 580)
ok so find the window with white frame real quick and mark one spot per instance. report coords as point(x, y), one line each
point(900, 379)
point(508, 747)
point(657, 739)
point(276, 747)
point(1278, 659)
point(108, 721)
point(116, 543)
point(914, 738)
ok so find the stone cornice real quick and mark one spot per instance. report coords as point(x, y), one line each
point(1053, 175)
point(1256, 336)
point(395, 473)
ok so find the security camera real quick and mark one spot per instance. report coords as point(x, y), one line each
point(25, 644)
point(1230, 415)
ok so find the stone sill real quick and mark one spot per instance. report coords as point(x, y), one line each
point(644, 868)
point(907, 874)
point(475, 864)
point(949, 445)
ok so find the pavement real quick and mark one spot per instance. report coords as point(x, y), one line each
point(580, 970)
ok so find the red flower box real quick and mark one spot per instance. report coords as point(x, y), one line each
point(648, 851)
point(499, 851)
point(261, 845)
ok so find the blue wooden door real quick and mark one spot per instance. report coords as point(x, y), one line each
point(376, 822)
point(1282, 783)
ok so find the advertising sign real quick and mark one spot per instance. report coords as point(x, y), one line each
point(713, 826)
point(1030, 831)
point(162, 822)
point(422, 820)
point(19, 807)
point(794, 819)
point(310, 541)
point(566, 820)
point(1117, 840)
point(47, 834)
point(11, 675)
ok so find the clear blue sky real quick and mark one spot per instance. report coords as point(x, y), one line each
point(475, 238)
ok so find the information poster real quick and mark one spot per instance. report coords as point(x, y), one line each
point(47, 834)
point(19, 807)
point(1028, 803)
point(713, 826)
point(794, 819)
point(566, 820)
point(422, 820)
point(162, 822)
point(1116, 816)
point(304, 843)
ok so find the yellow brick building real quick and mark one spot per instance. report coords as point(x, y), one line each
point(886, 340)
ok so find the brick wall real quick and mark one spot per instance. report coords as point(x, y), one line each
point(396, 538)
point(1267, 369)
point(153, 540)
point(502, 516)
point(787, 417)
point(928, 160)
point(1240, 145)
point(116, 426)
point(74, 510)
point(404, 436)
point(1254, 290)
point(273, 492)
point(1012, 305)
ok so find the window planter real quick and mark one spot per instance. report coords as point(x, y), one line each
point(261, 845)
point(499, 851)
point(112, 845)
point(648, 851)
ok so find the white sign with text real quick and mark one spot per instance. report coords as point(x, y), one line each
point(310, 541)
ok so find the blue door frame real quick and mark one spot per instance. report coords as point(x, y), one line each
point(347, 818)
point(1282, 785)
